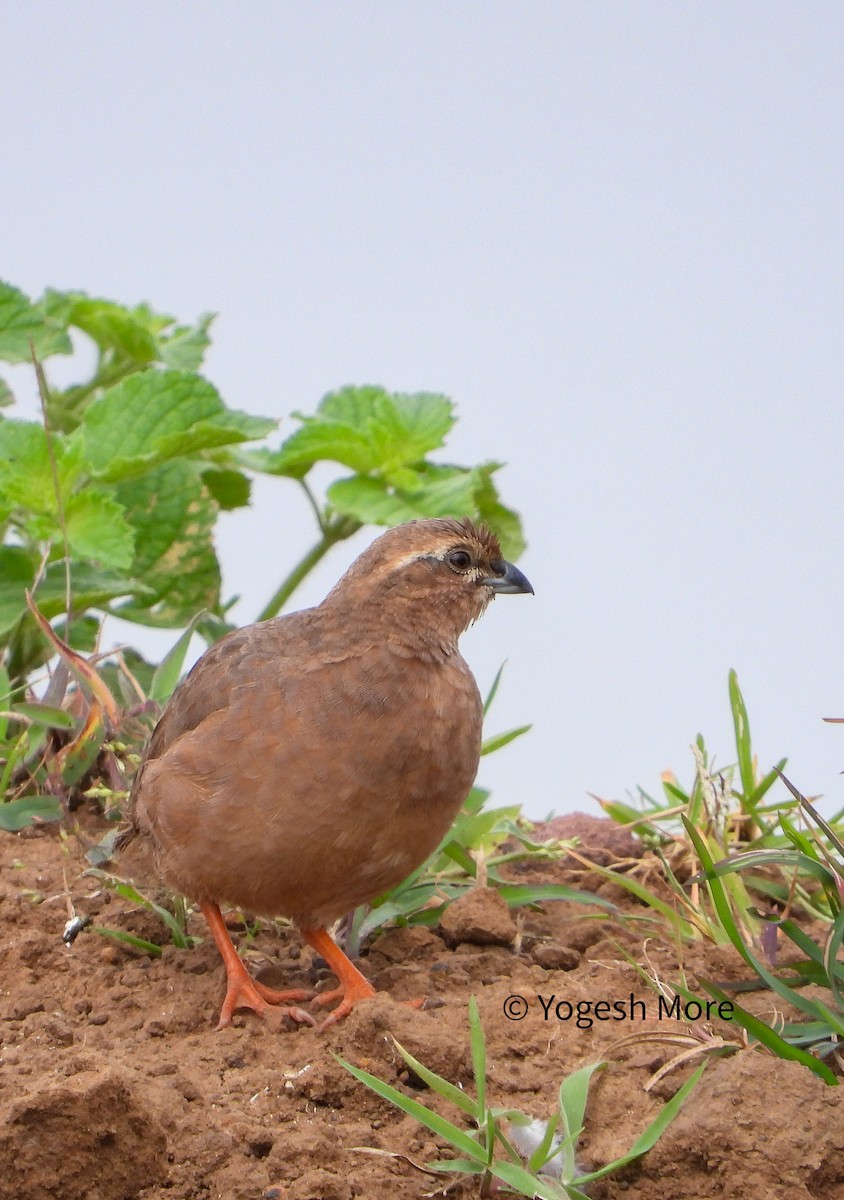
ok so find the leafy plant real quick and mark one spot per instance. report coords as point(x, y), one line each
point(530, 1157)
point(819, 856)
point(108, 507)
point(123, 480)
point(727, 813)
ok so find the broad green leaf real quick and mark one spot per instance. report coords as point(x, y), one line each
point(156, 415)
point(26, 473)
point(91, 587)
point(22, 322)
point(373, 501)
point(97, 529)
point(114, 327)
point(17, 572)
point(185, 347)
point(19, 814)
point(367, 429)
point(231, 489)
point(505, 523)
point(318, 440)
point(173, 517)
point(6, 394)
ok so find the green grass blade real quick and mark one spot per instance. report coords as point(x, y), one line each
point(769, 1037)
point(574, 1093)
point(833, 967)
point(741, 725)
point(431, 1120)
point(653, 1133)
point(503, 739)
point(170, 668)
point(517, 894)
point(490, 696)
point(478, 1045)
point(527, 1184)
point(439, 1085)
point(725, 915)
point(130, 939)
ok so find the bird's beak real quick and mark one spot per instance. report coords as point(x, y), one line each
point(507, 580)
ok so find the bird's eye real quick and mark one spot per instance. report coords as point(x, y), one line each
point(460, 560)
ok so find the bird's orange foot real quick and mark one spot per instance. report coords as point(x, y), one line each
point(242, 991)
point(352, 985)
point(348, 994)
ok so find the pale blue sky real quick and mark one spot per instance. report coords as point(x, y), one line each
point(610, 231)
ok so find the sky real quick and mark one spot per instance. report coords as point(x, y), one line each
point(610, 232)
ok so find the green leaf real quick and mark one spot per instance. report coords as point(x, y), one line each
point(478, 1047)
point(231, 489)
point(154, 416)
point(169, 670)
point(130, 939)
point(22, 322)
point(19, 814)
point(5, 701)
point(439, 1085)
point(91, 587)
point(6, 394)
point(503, 739)
point(741, 726)
point(26, 472)
point(114, 327)
point(97, 529)
point(173, 517)
point(517, 894)
point(769, 1037)
point(574, 1092)
point(17, 571)
point(185, 347)
point(367, 429)
point(505, 522)
point(653, 1133)
point(374, 502)
point(431, 1120)
point(46, 715)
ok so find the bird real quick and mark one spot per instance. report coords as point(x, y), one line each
point(311, 762)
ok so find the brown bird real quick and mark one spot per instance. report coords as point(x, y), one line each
point(311, 762)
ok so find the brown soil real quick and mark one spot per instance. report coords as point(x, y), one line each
point(115, 1085)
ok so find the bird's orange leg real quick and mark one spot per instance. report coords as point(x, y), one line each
point(242, 991)
point(353, 985)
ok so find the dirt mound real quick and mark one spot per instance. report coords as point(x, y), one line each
point(114, 1084)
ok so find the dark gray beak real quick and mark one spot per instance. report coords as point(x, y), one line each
point(507, 580)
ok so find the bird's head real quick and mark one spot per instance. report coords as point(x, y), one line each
point(435, 576)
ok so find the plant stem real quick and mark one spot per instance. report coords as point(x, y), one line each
point(334, 531)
